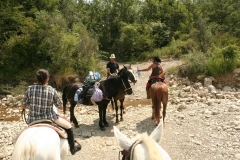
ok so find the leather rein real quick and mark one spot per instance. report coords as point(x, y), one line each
point(128, 155)
point(125, 86)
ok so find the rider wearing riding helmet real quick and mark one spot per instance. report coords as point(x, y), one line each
point(112, 66)
point(157, 72)
point(40, 98)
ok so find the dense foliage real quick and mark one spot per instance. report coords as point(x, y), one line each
point(69, 37)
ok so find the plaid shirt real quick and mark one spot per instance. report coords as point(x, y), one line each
point(40, 99)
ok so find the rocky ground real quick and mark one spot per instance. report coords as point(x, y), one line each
point(202, 122)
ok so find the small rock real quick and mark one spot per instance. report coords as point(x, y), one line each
point(86, 134)
point(197, 142)
point(237, 156)
point(227, 88)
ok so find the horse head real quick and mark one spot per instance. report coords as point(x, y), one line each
point(130, 74)
point(144, 146)
point(123, 74)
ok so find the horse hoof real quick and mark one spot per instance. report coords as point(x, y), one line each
point(121, 119)
point(106, 125)
point(103, 128)
point(124, 112)
point(152, 117)
point(117, 121)
point(76, 125)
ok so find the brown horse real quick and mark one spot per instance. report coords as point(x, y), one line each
point(159, 93)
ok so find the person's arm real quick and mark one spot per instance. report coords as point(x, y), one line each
point(25, 101)
point(161, 69)
point(57, 101)
point(108, 71)
point(118, 67)
point(146, 69)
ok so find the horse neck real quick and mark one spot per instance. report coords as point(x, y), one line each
point(150, 145)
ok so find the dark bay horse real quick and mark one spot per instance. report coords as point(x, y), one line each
point(121, 96)
point(115, 88)
point(159, 93)
point(68, 95)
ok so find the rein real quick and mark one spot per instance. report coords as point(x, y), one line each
point(125, 86)
point(128, 155)
point(23, 114)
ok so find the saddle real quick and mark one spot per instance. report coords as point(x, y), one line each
point(45, 123)
point(48, 123)
point(154, 80)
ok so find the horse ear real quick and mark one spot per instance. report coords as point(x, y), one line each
point(123, 141)
point(157, 133)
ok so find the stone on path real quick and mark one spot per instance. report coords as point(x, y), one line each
point(86, 134)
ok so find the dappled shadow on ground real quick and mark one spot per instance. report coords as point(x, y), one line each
point(147, 124)
point(94, 128)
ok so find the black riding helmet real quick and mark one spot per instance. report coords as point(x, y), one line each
point(157, 59)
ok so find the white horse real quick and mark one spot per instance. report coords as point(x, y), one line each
point(40, 143)
point(147, 147)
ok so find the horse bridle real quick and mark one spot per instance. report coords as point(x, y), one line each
point(125, 86)
point(128, 155)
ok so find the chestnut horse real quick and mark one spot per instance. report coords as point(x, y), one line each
point(159, 93)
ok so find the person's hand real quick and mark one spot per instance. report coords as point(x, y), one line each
point(60, 107)
point(23, 106)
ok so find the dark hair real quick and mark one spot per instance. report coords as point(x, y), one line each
point(157, 59)
point(42, 76)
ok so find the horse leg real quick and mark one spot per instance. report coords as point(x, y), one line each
point(72, 116)
point(153, 111)
point(64, 104)
point(156, 107)
point(164, 101)
point(104, 116)
point(116, 108)
point(100, 112)
point(121, 109)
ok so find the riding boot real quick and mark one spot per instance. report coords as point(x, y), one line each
point(72, 142)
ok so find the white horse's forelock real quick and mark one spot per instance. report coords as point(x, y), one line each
point(40, 143)
point(153, 150)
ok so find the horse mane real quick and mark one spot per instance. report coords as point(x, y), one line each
point(153, 151)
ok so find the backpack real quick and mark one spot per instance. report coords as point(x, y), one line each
point(97, 94)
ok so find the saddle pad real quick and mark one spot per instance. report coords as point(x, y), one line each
point(46, 123)
point(58, 129)
point(152, 81)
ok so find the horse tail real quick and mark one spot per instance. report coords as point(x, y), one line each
point(24, 149)
point(156, 100)
point(64, 99)
point(154, 153)
point(157, 104)
point(112, 104)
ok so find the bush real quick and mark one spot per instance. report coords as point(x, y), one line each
point(223, 60)
point(195, 63)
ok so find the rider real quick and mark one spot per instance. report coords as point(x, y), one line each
point(157, 72)
point(112, 66)
point(40, 98)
